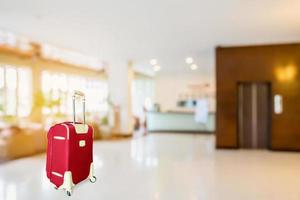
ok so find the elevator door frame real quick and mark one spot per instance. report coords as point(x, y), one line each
point(269, 124)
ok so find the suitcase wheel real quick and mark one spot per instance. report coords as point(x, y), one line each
point(68, 193)
point(56, 188)
point(93, 179)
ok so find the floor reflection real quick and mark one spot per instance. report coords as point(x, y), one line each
point(164, 167)
point(143, 152)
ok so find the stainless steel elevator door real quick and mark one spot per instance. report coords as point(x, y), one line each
point(254, 114)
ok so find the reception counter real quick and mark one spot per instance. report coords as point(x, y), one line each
point(178, 122)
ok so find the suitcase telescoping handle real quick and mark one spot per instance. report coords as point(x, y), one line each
point(81, 95)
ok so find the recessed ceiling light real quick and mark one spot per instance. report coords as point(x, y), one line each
point(156, 68)
point(194, 67)
point(189, 60)
point(153, 62)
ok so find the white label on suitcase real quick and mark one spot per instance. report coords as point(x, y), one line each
point(59, 138)
point(81, 128)
point(57, 174)
point(81, 143)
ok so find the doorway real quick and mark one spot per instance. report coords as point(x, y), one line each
point(254, 114)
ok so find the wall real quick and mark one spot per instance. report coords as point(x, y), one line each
point(277, 64)
point(169, 87)
point(120, 75)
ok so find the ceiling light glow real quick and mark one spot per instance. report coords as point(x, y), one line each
point(153, 62)
point(189, 60)
point(156, 68)
point(194, 67)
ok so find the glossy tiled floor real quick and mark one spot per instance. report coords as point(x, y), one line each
point(166, 166)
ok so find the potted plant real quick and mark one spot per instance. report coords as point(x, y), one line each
point(105, 127)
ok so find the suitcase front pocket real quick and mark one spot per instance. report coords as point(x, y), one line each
point(59, 158)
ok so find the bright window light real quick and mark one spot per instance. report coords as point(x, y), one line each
point(1, 90)
point(11, 92)
point(15, 92)
point(1, 77)
point(142, 93)
point(24, 92)
point(96, 92)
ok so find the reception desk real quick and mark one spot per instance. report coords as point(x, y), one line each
point(178, 122)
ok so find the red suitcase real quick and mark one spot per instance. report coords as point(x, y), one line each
point(70, 152)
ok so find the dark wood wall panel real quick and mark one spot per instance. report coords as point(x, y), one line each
point(277, 64)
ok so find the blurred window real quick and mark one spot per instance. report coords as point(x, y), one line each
point(15, 91)
point(142, 96)
point(58, 88)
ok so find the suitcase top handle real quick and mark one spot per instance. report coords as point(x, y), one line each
point(82, 96)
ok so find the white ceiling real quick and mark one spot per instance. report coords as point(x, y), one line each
point(168, 30)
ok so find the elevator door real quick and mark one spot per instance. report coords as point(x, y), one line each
point(254, 101)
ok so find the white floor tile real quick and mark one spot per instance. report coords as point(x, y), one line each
point(165, 166)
